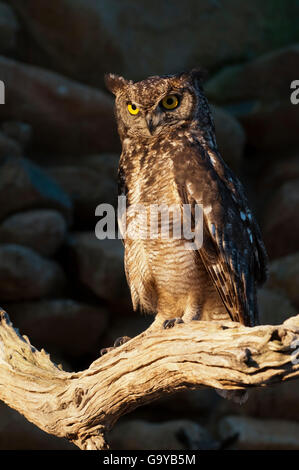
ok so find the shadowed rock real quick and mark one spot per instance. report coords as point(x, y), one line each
point(23, 185)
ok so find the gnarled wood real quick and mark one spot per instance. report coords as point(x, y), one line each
point(83, 406)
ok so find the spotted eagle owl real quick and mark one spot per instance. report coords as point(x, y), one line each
point(170, 156)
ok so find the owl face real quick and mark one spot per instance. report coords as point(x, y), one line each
point(151, 107)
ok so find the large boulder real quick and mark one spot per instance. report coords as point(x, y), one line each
point(105, 164)
point(25, 274)
point(190, 402)
point(62, 326)
point(230, 137)
point(170, 435)
point(131, 324)
point(207, 33)
point(277, 173)
point(23, 185)
point(253, 434)
point(17, 433)
point(99, 265)
point(43, 230)
point(8, 28)
point(281, 222)
point(19, 131)
point(66, 116)
point(87, 188)
point(284, 276)
point(266, 78)
point(272, 127)
point(274, 306)
point(258, 93)
point(279, 401)
point(9, 147)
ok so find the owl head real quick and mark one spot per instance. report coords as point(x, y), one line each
point(157, 104)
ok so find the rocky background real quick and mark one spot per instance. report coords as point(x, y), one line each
point(59, 152)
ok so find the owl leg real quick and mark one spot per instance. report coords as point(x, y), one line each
point(167, 319)
point(191, 314)
point(193, 309)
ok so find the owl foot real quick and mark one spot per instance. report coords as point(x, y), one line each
point(170, 323)
point(118, 342)
point(105, 351)
point(121, 340)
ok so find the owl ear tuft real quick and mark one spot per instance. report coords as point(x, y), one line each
point(114, 83)
point(199, 75)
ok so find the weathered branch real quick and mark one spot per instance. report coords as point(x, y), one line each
point(83, 406)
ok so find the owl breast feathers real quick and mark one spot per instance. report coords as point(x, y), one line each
point(170, 157)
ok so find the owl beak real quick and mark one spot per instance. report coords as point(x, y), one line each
point(150, 124)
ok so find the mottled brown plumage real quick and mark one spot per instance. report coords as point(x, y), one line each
point(171, 157)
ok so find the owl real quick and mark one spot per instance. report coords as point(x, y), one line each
point(170, 157)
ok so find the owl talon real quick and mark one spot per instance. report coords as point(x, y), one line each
point(104, 351)
point(170, 323)
point(118, 342)
point(121, 340)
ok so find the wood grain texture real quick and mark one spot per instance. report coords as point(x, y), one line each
point(84, 406)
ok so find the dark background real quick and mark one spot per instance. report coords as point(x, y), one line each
point(59, 152)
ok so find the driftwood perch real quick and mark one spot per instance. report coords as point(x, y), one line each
point(83, 406)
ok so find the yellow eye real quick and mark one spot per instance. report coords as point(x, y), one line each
point(170, 102)
point(133, 109)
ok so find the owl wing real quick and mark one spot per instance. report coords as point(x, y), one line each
point(232, 250)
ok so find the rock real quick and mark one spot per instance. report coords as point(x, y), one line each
point(272, 127)
point(170, 435)
point(181, 35)
point(87, 189)
point(43, 230)
point(266, 78)
point(9, 147)
point(23, 185)
point(16, 433)
point(269, 175)
point(19, 131)
point(189, 403)
point(8, 28)
point(131, 324)
point(279, 401)
point(284, 276)
point(274, 307)
point(26, 275)
point(230, 137)
point(253, 434)
point(99, 265)
point(68, 47)
point(63, 326)
point(281, 222)
point(105, 164)
point(278, 172)
point(258, 93)
point(66, 116)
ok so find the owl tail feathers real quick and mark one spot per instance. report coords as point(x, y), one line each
point(237, 396)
